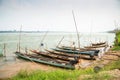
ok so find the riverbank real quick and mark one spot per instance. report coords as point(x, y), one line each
point(10, 70)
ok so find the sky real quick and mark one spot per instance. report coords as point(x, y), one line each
point(56, 15)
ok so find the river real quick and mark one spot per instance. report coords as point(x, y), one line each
point(50, 40)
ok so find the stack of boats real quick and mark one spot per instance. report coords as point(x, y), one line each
point(64, 56)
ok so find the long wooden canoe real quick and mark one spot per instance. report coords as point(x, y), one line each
point(98, 44)
point(80, 50)
point(61, 53)
point(50, 55)
point(90, 53)
point(69, 55)
point(48, 61)
point(95, 46)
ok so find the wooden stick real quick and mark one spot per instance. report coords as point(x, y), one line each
point(44, 37)
point(41, 43)
point(20, 37)
point(60, 41)
point(76, 30)
point(77, 34)
point(4, 49)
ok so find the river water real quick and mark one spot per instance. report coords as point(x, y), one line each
point(50, 40)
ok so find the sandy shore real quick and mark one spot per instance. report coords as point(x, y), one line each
point(12, 68)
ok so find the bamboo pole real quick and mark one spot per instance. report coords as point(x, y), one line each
point(26, 50)
point(60, 41)
point(76, 30)
point(17, 47)
point(41, 43)
point(5, 49)
point(91, 33)
point(79, 59)
point(20, 38)
point(44, 37)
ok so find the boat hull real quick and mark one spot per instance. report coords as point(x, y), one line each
point(19, 54)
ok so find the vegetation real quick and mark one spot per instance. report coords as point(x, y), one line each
point(51, 75)
point(117, 41)
point(116, 48)
point(1, 53)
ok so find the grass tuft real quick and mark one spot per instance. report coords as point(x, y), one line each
point(116, 48)
point(104, 76)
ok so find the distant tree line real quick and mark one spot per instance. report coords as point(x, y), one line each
point(22, 31)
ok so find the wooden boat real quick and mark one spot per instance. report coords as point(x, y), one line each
point(81, 49)
point(69, 55)
point(56, 56)
point(97, 44)
point(66, 47)
point(61, 53)
point(48, 61)
point(90, 53)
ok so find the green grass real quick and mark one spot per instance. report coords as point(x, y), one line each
point(51, 75)
point(118, 38)
point(117, 41)
point(46, 75)
point(116, 48)
point(1, 54)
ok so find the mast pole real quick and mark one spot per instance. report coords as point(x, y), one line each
point(20, 37)
point(5, 49)
point(60, 41)
point(76, 30)
point(41, 43)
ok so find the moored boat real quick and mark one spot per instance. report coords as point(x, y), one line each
point(61, 53)
point(90, 53)
point(80, 50)
point(51, 55)
point(98, 44)
point(48, 61)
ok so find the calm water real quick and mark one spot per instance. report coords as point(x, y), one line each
point(33, 40)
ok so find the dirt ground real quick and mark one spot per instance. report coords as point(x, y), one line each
point(12, 68)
